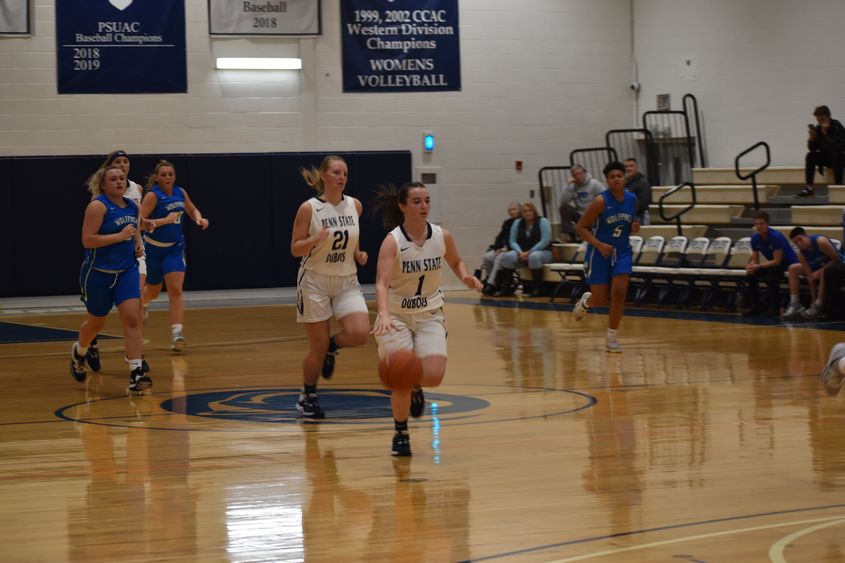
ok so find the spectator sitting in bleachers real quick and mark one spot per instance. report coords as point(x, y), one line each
point(530, 242)
point(493, 257)
point(574, 199)
point(826, 144)
point(820, 254)
point(778, 255)
point(638, 184)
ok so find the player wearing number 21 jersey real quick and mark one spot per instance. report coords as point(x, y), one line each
point(325, 236)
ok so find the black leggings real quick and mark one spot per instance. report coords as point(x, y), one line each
point(835, 160)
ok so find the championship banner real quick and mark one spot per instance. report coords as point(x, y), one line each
point(264, 17)
point(14, 17)
point(400, 45)
point(121, 46)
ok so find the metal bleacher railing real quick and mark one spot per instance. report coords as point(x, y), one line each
point(753, 175)
point(665, 148)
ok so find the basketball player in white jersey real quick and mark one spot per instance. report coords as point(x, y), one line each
point(325, 234)
point(134, 192)
point(409, 296)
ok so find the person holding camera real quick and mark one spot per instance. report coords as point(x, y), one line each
point(826, 144)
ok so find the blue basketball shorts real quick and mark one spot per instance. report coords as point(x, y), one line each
point(101, 290)
point(162, 260)
point(599, 270)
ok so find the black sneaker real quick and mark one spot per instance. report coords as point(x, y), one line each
point(78, 364)
point(144, 365)
point(417, 402)
point(93, 356)
point(309, 405)
point(328, 361)
point(807, 191)
point(138, 381)
point(401, 445)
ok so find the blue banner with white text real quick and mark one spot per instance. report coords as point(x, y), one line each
point(400, 45)
point(121, 46)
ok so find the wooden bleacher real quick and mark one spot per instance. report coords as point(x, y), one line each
point(701, 213)
point(719, 194)
point(777, 175)
point(817, 215)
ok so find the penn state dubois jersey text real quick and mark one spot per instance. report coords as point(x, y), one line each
point(613, 225)
point(335, 256)
point(417, 271)
point(119, 256)
point(165, 205)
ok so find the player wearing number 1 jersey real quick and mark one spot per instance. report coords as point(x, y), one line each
point(606, 226)
point(409, 296)
point(325, 236)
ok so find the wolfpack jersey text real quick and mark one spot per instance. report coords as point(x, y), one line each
point(119, 256)
point(335, 256)
point(415, 286)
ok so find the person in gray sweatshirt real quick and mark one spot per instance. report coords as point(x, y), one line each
point(574, 199)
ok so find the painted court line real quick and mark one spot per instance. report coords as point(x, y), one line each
point(776, 552)
point(836, 520)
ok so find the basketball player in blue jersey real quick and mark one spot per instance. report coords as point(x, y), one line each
point(164, 205)
point(134, 193)
point(819, 254)
point(606, 226)
point(409, 295)
point(109, 274)
point(325, 235)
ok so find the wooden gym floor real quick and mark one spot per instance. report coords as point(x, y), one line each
point(708, 439)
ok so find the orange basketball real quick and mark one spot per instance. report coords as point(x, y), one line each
point(400, 370)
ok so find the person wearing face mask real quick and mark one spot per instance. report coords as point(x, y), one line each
point(493, 257)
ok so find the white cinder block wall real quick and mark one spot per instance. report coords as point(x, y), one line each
point(540, 78)
point(758, 68)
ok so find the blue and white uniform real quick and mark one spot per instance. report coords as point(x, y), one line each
point(612, 226)
point(109, 274)
point(415, 297)
point(165, 246)
point(814, 256)
point(327, 281)
point(774, 241)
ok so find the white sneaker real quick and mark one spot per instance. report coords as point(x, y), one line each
point(793, 311)
point(810, 313)
point(581, 307)
point(831, 375)
point(178, 341)
point(613, 345)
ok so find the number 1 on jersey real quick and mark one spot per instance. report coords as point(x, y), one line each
point(419, 285)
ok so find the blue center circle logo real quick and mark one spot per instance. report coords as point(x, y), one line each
point(348, 406)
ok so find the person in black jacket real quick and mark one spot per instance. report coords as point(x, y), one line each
point(638, 184)
point(493, 257)
point(826, 143)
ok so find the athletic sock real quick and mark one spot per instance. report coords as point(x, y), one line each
point(333, 346)
point(135, 364)
point(400, 426)
point(309, 389)
point(80, 350)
